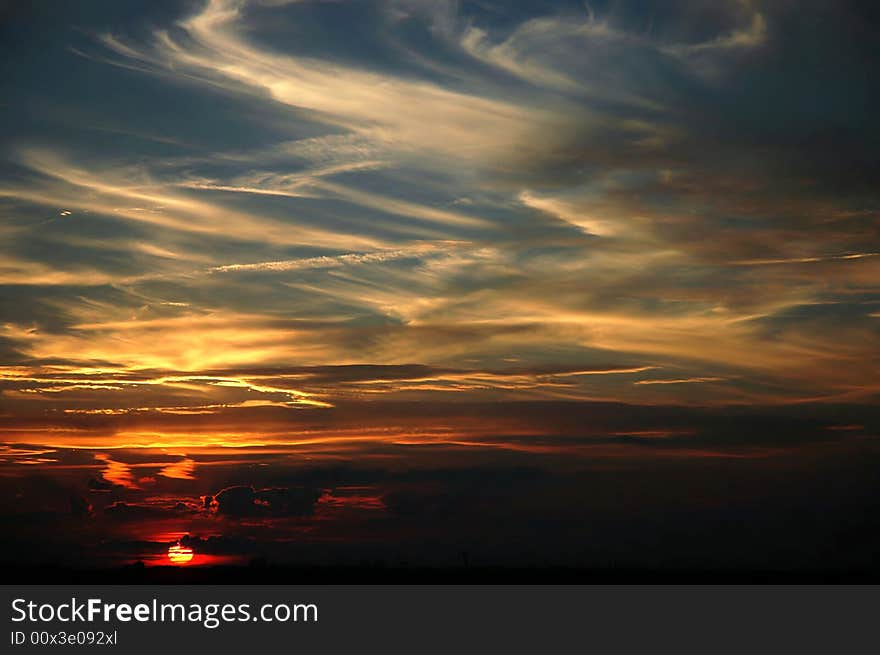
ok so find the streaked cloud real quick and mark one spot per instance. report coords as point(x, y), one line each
point(601, 202)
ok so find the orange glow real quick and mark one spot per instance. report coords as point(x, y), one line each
point(118, 473)
point(178, 554)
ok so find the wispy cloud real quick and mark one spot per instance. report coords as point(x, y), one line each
point(507, 193)
point(410, 114)
point(348, 259)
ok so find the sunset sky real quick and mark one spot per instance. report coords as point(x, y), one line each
point(354, 262)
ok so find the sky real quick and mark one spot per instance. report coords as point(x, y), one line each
point(281, 274)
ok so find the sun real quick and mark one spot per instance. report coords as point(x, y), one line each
point(180, 554)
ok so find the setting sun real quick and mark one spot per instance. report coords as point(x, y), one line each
point(178, 554)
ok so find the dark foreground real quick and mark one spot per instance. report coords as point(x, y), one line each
point(269, 574)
